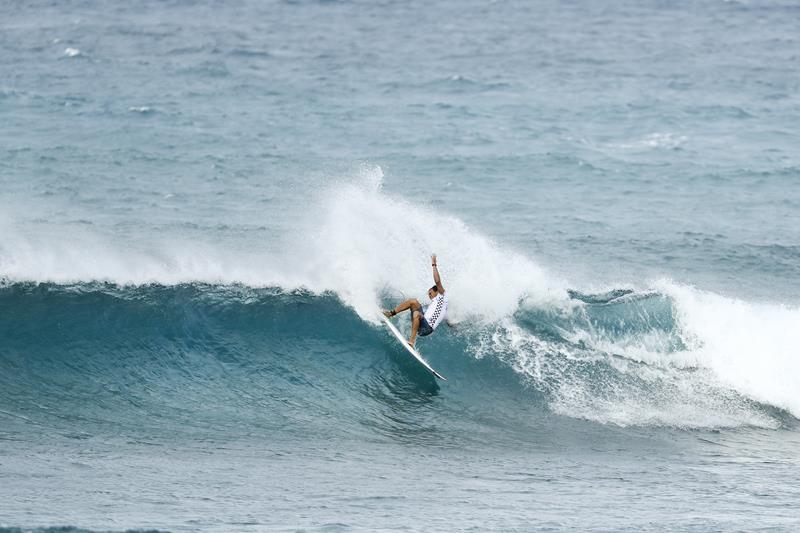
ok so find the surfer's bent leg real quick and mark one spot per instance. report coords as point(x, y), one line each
point(411, 303)
point(415, 317)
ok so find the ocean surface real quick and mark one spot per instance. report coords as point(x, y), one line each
point(203, 203)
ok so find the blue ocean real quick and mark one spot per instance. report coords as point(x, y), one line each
point(204, 203)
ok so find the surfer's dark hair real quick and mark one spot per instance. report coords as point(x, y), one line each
point(434, 289)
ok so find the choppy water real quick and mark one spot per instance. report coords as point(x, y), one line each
point(203, 203)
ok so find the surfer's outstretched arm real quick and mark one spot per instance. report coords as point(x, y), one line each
point(436, 278)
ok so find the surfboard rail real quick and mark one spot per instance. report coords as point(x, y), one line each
point(411, 350)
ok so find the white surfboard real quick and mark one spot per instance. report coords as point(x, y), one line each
point(411, 350)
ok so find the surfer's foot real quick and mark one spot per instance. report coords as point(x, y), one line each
point(389, 314)
point(410, 344)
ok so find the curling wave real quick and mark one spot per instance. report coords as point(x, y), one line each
point(234, 357)
point(170, 323)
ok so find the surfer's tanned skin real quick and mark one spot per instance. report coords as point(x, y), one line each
point(414, 305)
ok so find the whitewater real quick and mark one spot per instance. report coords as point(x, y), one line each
point(204, 205)
point(684, 357)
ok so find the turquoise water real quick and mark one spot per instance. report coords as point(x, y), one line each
point(203, 203)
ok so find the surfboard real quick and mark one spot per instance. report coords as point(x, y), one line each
point(411, 350)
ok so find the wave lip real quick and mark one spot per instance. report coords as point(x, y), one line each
point(751, 348)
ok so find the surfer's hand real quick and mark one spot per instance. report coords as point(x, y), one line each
point(433, 259)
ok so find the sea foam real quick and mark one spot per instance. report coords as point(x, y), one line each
point(691, 358)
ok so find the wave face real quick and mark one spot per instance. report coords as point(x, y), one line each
point(231, 358)
point(234, 332)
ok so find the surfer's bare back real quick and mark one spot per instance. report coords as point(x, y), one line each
point(423, 323)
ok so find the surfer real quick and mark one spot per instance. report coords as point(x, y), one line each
point(424, 322)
